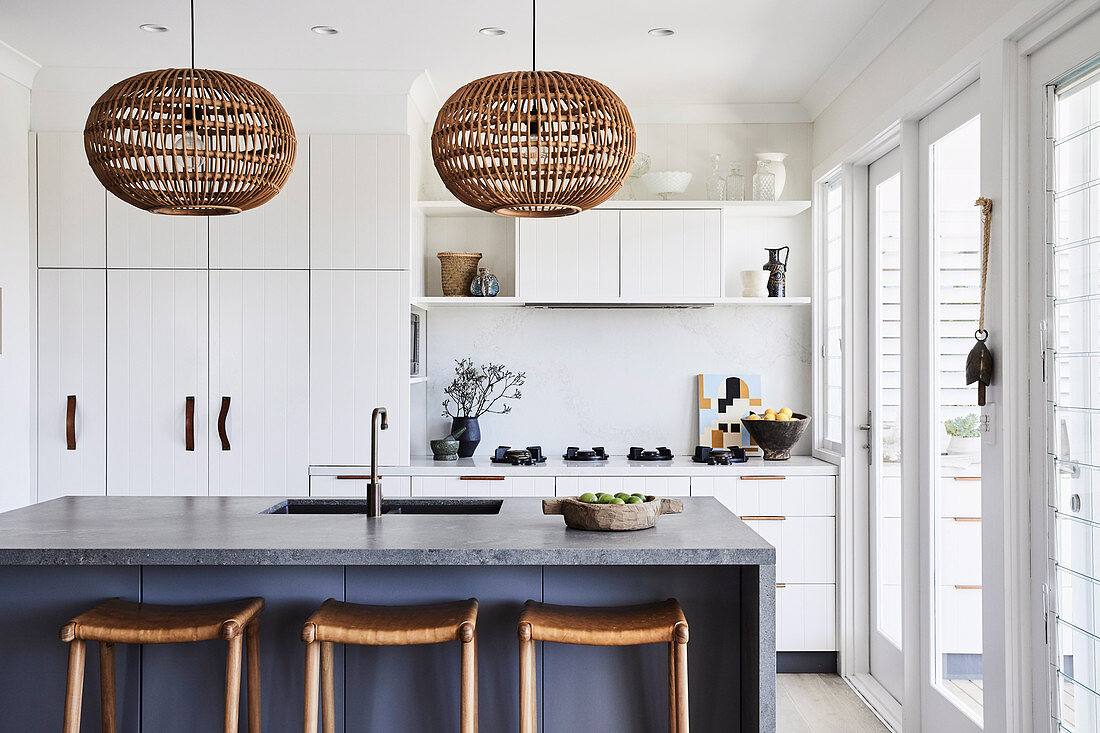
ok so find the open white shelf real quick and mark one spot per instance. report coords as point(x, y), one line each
point(502, 302)
point(730, 208)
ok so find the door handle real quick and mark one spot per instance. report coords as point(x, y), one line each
point(189, 416)
point(222, 416)
point(70, 422)
point(865, 426)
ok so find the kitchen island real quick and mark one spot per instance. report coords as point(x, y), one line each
point(63, 556)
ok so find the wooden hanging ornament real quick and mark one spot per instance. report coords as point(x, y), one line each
point(979, 362)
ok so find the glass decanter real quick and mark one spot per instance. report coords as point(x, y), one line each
point(763, 183)
point(735, 184)
point(716, 184)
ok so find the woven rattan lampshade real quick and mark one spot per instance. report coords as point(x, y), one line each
point(533, 143)
point(190, 141)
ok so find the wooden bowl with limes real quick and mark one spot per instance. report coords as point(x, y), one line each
point(776, 437)
point(611, 517)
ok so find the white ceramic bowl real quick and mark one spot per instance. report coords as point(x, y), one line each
point(666, 183)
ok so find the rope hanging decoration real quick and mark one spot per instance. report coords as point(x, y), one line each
point(979, 362)
point(533, 144)
point(193, 142)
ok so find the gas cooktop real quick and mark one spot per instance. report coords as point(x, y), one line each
point(641, 454)
point(719, 456)
point(528, 456)
point(576, 454)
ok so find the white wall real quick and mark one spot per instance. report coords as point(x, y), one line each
point(16, 383)
point(618, 377)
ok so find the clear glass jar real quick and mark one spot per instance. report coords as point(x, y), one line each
point(763, 183)
point(735, 184)
point(716, 184)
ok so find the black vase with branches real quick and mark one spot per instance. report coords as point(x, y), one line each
point(476, 391)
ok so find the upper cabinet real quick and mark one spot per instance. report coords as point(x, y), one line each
point(570, 259)
point(139, 239)
point(274, 236)
point(671, 254)
point(72, 204)
point(359, 202)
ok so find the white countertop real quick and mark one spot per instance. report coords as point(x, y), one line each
point(614, 466)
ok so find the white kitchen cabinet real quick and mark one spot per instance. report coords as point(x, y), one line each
point(480, 485)
point(72, 383)
point(670, 254)
point(358, 360)
point(356, 486)
point(259, 375)
point(72, 204)
point(961, 496)
point(274, 236)
point(801, 496)
point(156, 376)
point(137, 238)
point(649, 485)
point(359, 202)
point(571, 259)
point(959, 615)
point(805, 618)
point(961, 541)
point(805, 547)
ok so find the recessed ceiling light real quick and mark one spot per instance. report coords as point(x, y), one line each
point(492, 31)
point(661, 32)
point(153, 28)
point(325, 30)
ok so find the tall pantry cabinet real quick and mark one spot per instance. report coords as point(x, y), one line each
point(189, 355)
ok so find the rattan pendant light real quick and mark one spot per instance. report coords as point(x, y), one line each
point(190, 141)
point(533, 143)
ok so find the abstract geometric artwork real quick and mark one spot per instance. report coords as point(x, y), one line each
point(723, 401)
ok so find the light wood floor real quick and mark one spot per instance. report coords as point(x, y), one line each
point(967, 692)
point(821, 703)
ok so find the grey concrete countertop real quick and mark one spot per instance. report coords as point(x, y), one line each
point(92, 530)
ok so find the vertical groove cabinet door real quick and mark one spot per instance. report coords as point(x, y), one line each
point(136, 238)
point(259, 360)
point(671, 254)
point(359, 202)
point(274, 236)
point(356, 488)
point(72, 360)
point(72, 204)
point(572, 259)
point(805, 618)
point(156, 359)
point(358, 360)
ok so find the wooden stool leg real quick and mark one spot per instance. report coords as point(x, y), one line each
point(252, 668)
point(681, 687)
point(528, 702)
point(233, 684)
point(74, 688)
point(673, 721)
point(469, 686)
point(328, 689)
point(313, 659)
point(107, 687)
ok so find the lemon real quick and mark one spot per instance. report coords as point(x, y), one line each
point(769, 416)
point(786, 411)
point(781, 417)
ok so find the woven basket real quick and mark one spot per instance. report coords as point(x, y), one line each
point(458, 270)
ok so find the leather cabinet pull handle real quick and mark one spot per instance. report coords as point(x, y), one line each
point(762, 478)
point(222, 416)
point(762, 519)
point(481, 478)
point(189, 413)
point(70, 422)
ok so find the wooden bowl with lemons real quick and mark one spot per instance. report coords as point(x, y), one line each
point(776, 431)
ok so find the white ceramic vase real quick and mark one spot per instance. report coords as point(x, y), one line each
point(754, 283)
point(964, 446)
point(778, 169)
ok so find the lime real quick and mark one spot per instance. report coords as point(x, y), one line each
point(616, 500)
point(609, 499)
point(635, 500)
point(622, 495)
point(640, 496)
point(588, 498)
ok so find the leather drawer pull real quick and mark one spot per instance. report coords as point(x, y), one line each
point(780, 585)
point(355, 478)
point(70, 422)
point(481, 478)
point(189, 414)
point(968, 587)
point(763, 478)
point(221, 423)
point(968, 478)
point(967, 519)
point(763, 519)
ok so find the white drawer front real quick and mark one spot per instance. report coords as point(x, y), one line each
point(960, 619)
point(805, 618)
point(482, 486)
point(650, 485)
point(961, 541)
point(797, 496)
point(392, 486)
point(960, 496)
point(805, 547)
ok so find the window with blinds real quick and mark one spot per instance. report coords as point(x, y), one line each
point(832, 372)
point(1074, 400)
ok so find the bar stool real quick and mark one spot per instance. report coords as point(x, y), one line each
point(124, 622)
point(336, 622)
point(650, 623)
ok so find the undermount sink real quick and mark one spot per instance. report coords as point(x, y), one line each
point(389, 506)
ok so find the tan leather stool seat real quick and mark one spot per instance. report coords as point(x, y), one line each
point(650, 623)
point(353, 623)
point(125, 622)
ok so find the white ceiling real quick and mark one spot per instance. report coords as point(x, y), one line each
point(724, 52)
